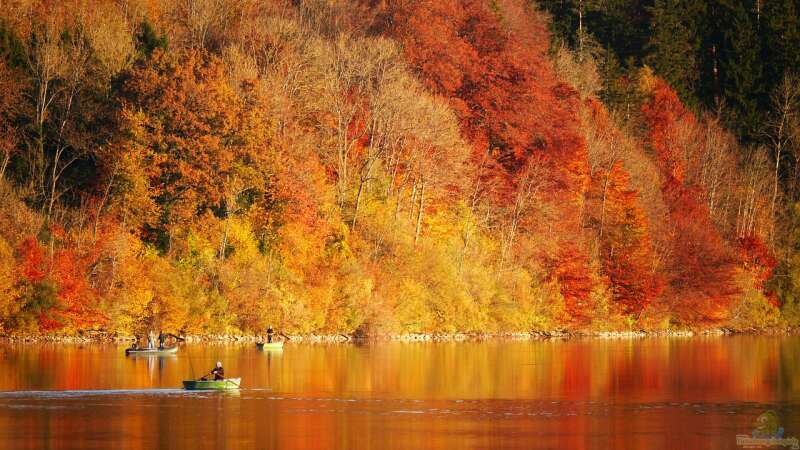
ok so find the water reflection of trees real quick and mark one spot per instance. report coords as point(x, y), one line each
point(602, 393)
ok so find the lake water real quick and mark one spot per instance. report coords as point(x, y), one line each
point(687, 393)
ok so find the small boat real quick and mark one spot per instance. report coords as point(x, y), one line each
point(212, 385)
point(151, 351)
point(270, 345)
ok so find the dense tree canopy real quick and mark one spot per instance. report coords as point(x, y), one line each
point(395, 166)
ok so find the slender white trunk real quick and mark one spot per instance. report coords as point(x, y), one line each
point(420, 212)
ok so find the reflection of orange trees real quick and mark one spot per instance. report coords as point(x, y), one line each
point(650, 371)
point(657, 370)
point(581, 390)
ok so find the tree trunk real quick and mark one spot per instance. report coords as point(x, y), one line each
point(603, 205)
point(775, 189)
point(357, 205)
point(420, 212)
point(103, 200)
point(466, 238)
point(758, 14)
point(413, 201)
point(4, 165)
point(580, 29)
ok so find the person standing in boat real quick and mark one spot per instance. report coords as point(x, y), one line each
point(161, 339)
point(270, 332)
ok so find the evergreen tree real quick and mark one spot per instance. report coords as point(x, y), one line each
point(11, 50)
point(674, 45)
point(780, 33)
point(621, 25)
point(564, 25)
point(147, 40)
point(620, 90)
point(733, 75)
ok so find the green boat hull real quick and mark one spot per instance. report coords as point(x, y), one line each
point(270, 345)
point(151, 351)
point(212, 385)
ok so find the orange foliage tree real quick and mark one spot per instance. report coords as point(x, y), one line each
point(624, 244)
point(615, 213)
point(201, 146)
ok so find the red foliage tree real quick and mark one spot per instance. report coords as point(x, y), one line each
point(757, 259)
point(571, 268)
point(59, 291)
point(491, 62)
point(31, 260)
point(493, 67)
point(78, 300)
point(700, 269)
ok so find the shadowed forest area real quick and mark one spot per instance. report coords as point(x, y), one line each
point(332, 166)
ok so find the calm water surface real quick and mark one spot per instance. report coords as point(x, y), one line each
point(640, 394)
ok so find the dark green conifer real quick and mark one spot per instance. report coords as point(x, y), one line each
point(740, 80)
point(674, 45)
point(780, 31)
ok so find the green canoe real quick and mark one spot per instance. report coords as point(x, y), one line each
point(270, 345)
point(212, 385)
point(151, 351)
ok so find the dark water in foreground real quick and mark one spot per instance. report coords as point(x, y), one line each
point(640, 394)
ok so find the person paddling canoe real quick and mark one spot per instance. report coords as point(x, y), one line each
point(218, 372)
point(270, 332)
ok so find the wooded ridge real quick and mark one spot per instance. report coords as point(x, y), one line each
point(214, 167)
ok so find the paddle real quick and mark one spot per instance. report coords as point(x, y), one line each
point(211, 373)
point(203, 376)
point(177, 338)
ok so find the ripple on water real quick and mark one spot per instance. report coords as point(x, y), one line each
point(25, 406)
point(91, 393)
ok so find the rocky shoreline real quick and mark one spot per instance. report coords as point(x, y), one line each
point(100, 337)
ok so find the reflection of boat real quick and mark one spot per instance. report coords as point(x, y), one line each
point(151, 351)
point(212, 385)
point(270, 345)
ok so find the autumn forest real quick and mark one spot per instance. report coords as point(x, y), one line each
point(394, 166)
